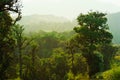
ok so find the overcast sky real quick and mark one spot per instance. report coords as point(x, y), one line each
point(68, 8)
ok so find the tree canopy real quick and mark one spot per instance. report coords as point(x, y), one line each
point(10, 5)
point(92, 32)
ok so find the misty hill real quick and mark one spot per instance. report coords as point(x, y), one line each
point(34, 23)
point(114, 24)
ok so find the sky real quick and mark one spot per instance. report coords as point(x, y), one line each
point(68, 8)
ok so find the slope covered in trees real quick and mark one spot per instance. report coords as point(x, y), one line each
point(35, 23)
point(85, 53)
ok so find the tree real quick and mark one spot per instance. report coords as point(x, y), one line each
point(34, 48)
point(46, 43)
point(6, 44)
point(18, 34)
point(6, 40)
point(80, 68)
point(112, 74)
point(92, 32)
point(59, 65)
point(72, 47)
point(9, 5)
point(108, 52)
point(12, 6)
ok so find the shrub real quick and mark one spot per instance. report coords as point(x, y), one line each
point(113, 74)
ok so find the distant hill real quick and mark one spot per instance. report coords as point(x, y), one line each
point(114, 25)
point(35, 23)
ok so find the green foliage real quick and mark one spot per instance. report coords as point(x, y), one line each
point(71, 76)
point(56, 67)
point(18, 31)
point(59, 64)
point(43, 55)
point(47, 41)
point(94, 28)
point(6, 44)
point(92, 32)
point(48, 23)
point(113, 74)
point(78, 61)
point(108, 51)
point(10, 5)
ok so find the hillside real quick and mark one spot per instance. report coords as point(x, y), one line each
point(114, 24)
point(47, 23)
point(34, 23)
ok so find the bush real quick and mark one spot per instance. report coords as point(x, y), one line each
point(113, 74)
point(80, 76)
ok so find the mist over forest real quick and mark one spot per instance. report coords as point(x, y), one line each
point(49, 47)
point(48, 23)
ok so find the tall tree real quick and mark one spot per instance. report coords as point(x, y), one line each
point(6, 40)
point(92, 31)
point(71, 47)
point(6, 43)
point(18, 33)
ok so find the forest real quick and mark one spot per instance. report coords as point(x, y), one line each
point(87, 52)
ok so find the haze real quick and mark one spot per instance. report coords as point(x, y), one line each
point(68, 8)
